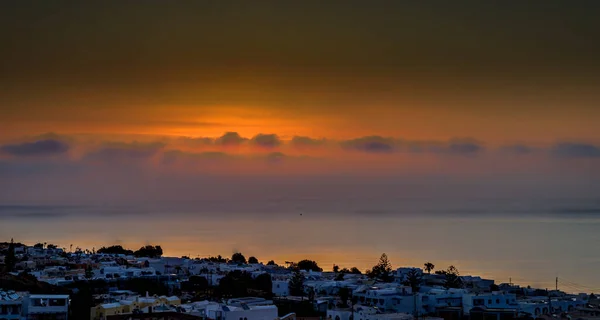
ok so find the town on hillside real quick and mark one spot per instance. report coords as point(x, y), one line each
point(45, 281)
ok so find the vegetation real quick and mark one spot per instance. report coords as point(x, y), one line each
point(149, 251)
point(115, 250)
point(10, 260)
point(353, 270)
point(271, 263)
point(453, 279)
point(252, 260)
point(336, 268)
point(382, 270)
point(308, 265)
point(238, 258)
point(89, 273)
point(413, 280)
point(217, 259)
point(241, 284)
point(296, 284)
point(344, 294)
point(429, 267)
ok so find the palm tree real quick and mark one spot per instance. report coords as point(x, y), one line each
point(429, 267)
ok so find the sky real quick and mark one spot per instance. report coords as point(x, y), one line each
point(107, 101)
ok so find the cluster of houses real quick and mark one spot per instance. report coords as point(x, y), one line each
point(21, 305)
point(368, 299)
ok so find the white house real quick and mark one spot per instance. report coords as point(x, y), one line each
point(497, 300)
point(440, 298)
point(11, 305)
point(281, 288)
point(397, 298)
point(219, 311)
point(38, 305)
point(365, 313)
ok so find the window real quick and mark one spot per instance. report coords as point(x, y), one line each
point(478, 302)
point(497, 301)
point(58, 302)
point(507, 301)
point(489, 301)
point(337, 317)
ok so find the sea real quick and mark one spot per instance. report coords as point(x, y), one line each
point(527, 242)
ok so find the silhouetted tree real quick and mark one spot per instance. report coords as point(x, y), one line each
point(38, 245)
point(238, 258)
point(296, 284)
point(382, 270)
point(149, 251)
point(115, 250)
point(344, 294)
point(235, 284)
point(494, 287)
point(336, 268)
point(453, 279)
point(89, 273)
point(264, 283)
point(271, 263)
point(10, 259)
point(429, 267)
point(308, 265)
point(252, 260)
point(354, 270)
point(217, 259)
point(413, 280)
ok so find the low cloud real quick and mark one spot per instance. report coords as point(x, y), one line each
point(518, 149)
point(46, 147)
point(266, 140)
point(303, 142)
point(370, 144)
point(230, 139)
point(178, 156)
point(465, 148)
point(576, 150)
point(125, 151)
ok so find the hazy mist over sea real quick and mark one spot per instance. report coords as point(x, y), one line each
point(530, 240)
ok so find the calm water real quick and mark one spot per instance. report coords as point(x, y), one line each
point(531, 242)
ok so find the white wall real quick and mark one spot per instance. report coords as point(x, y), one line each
point(281, 288)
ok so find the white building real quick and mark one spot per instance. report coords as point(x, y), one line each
point(219, 311)
point(44, 306)
point(11, 304)
point(396, 298)
point(281, 288)
point(365, 313)
point(440, 298)
point(496, 300)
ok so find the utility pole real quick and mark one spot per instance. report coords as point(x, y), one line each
point(416, 314)
point(556, 283)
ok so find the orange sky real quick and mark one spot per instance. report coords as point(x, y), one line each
point(337, 70)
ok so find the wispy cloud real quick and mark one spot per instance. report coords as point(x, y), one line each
point(37, 148)
point(576, 150)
